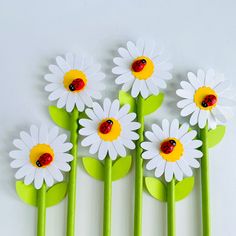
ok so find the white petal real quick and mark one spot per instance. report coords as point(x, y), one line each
point(53, 78)
point(66, 157)
point(169, 171)
point(149, 48)
point(34, 132)
point(185, 93)
point(188, 109)
point(188, 137)
point(149, 155)
point(140, 45)
point(48, 178)
point(79, 104)
point(192, 162)
point(55, 172)
point(212, 121)
point(185, 167)
point(63, 64)
point(152, 164)
point(119, 148)
point(126, 119)
point(134, 52)
point(174, 128)
point(195, 144)
point(178, 172)
point(79, 62)
point(123, 111)
point(194, 117)
point(17, 154)
point(129, 134)
point(98, 111)
point(52, 134)
point(202, 119)
point(93, 138)
point(114, 108)
point(43, 134)
point(136, 88)
point(160, 83)
point(89, 124)
point(20, 144)
point(193, 153)
point(124, 78)
point(62, 100)
point(86, 99)
point(103, 149)
point(183, 130)
point(56, 94)
point(119, 70)
point(71, 100)
point(62, 166)
point(209, 77)
point(52, 86)
point(187, 86)
point(86, 132)
point(27, 139)
point(152, 87)
point(223, 85)
point(56, 70)
point(150, 146)
point(133, 126)
point(58, 141)
point(144, 90)
point(39, 176)
point(127, 86)
point(91, 115)
point(124, 53)
point(166, 128)
point(201, 77)
point(226, 102)
point(158, 132)
point(193, 80)
point(70, 59)
point(183, 103)
point(112, 151)
point(160, 168)
point(94, 147)
point(150, 136)
point(18, 163)
point(128, 143)
point(30, 177)
point(23, 171)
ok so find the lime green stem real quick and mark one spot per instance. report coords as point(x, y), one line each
point(139, 171)
point(73, 174)
point(171, 207)
point(41, 198)
point(206, 222)
point(107, 197)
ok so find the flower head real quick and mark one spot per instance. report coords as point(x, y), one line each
point(204, 98)
point(41, 156)
point(141, 68)
point(74, 81)
point(171, 150)
point(109, 129)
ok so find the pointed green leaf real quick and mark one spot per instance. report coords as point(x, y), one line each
point(56, 194)
point(156, 188)
point(216, 135)
point(60, 116)
point(121, 167)
point(26, 193)
point(126, 98)
point(94, 167)
point(184, 188)
point(152, 103)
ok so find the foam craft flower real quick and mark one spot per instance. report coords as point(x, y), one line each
point(141, 68)
point(41, 156)
point(109, 129)
point(205, 98)
point(171, 150)
point(74, 81)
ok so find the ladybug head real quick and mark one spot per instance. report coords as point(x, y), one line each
point(110, 122)
point(172, 142)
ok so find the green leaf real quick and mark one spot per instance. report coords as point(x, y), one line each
point(156, 188)
point(184, 188)
point(56, 194)
point(126, 98)
point(94, 167)
point(216, 135)
point(121, 167)
point(26, 193)
point(152, 103)
point(60, 116)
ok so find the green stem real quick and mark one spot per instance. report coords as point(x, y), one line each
point(171, 207)
point(205, 183)
point(41, 198)
point(107, 197)
point(139, 171)
point(73, 174)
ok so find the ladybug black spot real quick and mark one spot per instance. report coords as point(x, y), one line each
point(204, 104)
point(143, 61)
point(72, 87)
point(172, 142)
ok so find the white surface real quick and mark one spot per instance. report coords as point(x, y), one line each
point(195, 33)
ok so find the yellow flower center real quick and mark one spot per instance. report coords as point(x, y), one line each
point(37, 151)
point(201, 94)
point(147, 70)
point(73, 75)
point(114, 130)
point(177, 152)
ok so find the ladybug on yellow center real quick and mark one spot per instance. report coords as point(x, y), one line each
point(44, 160)
point(138, 65)
point(167, 147)
point(209, 100)
point(106, 127)
point(76, 85)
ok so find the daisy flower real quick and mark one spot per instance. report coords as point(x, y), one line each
point(109, 129)
point(141, 68)
point(171, 150)
point(41, 156)
point(204, 98)
point(74, 81)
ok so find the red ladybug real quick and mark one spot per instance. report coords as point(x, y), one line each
point(106, 126)
point(168, 146)
point(209, 100)
point(44, 160)
point(138, 65)
point(76, 85)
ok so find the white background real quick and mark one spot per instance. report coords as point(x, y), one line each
point(32, 33)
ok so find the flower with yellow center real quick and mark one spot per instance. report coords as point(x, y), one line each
point(41, 156)
point(205, 99)
point(109, 129)
point(171, 150)
point(74, 81)
point(141, 68)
